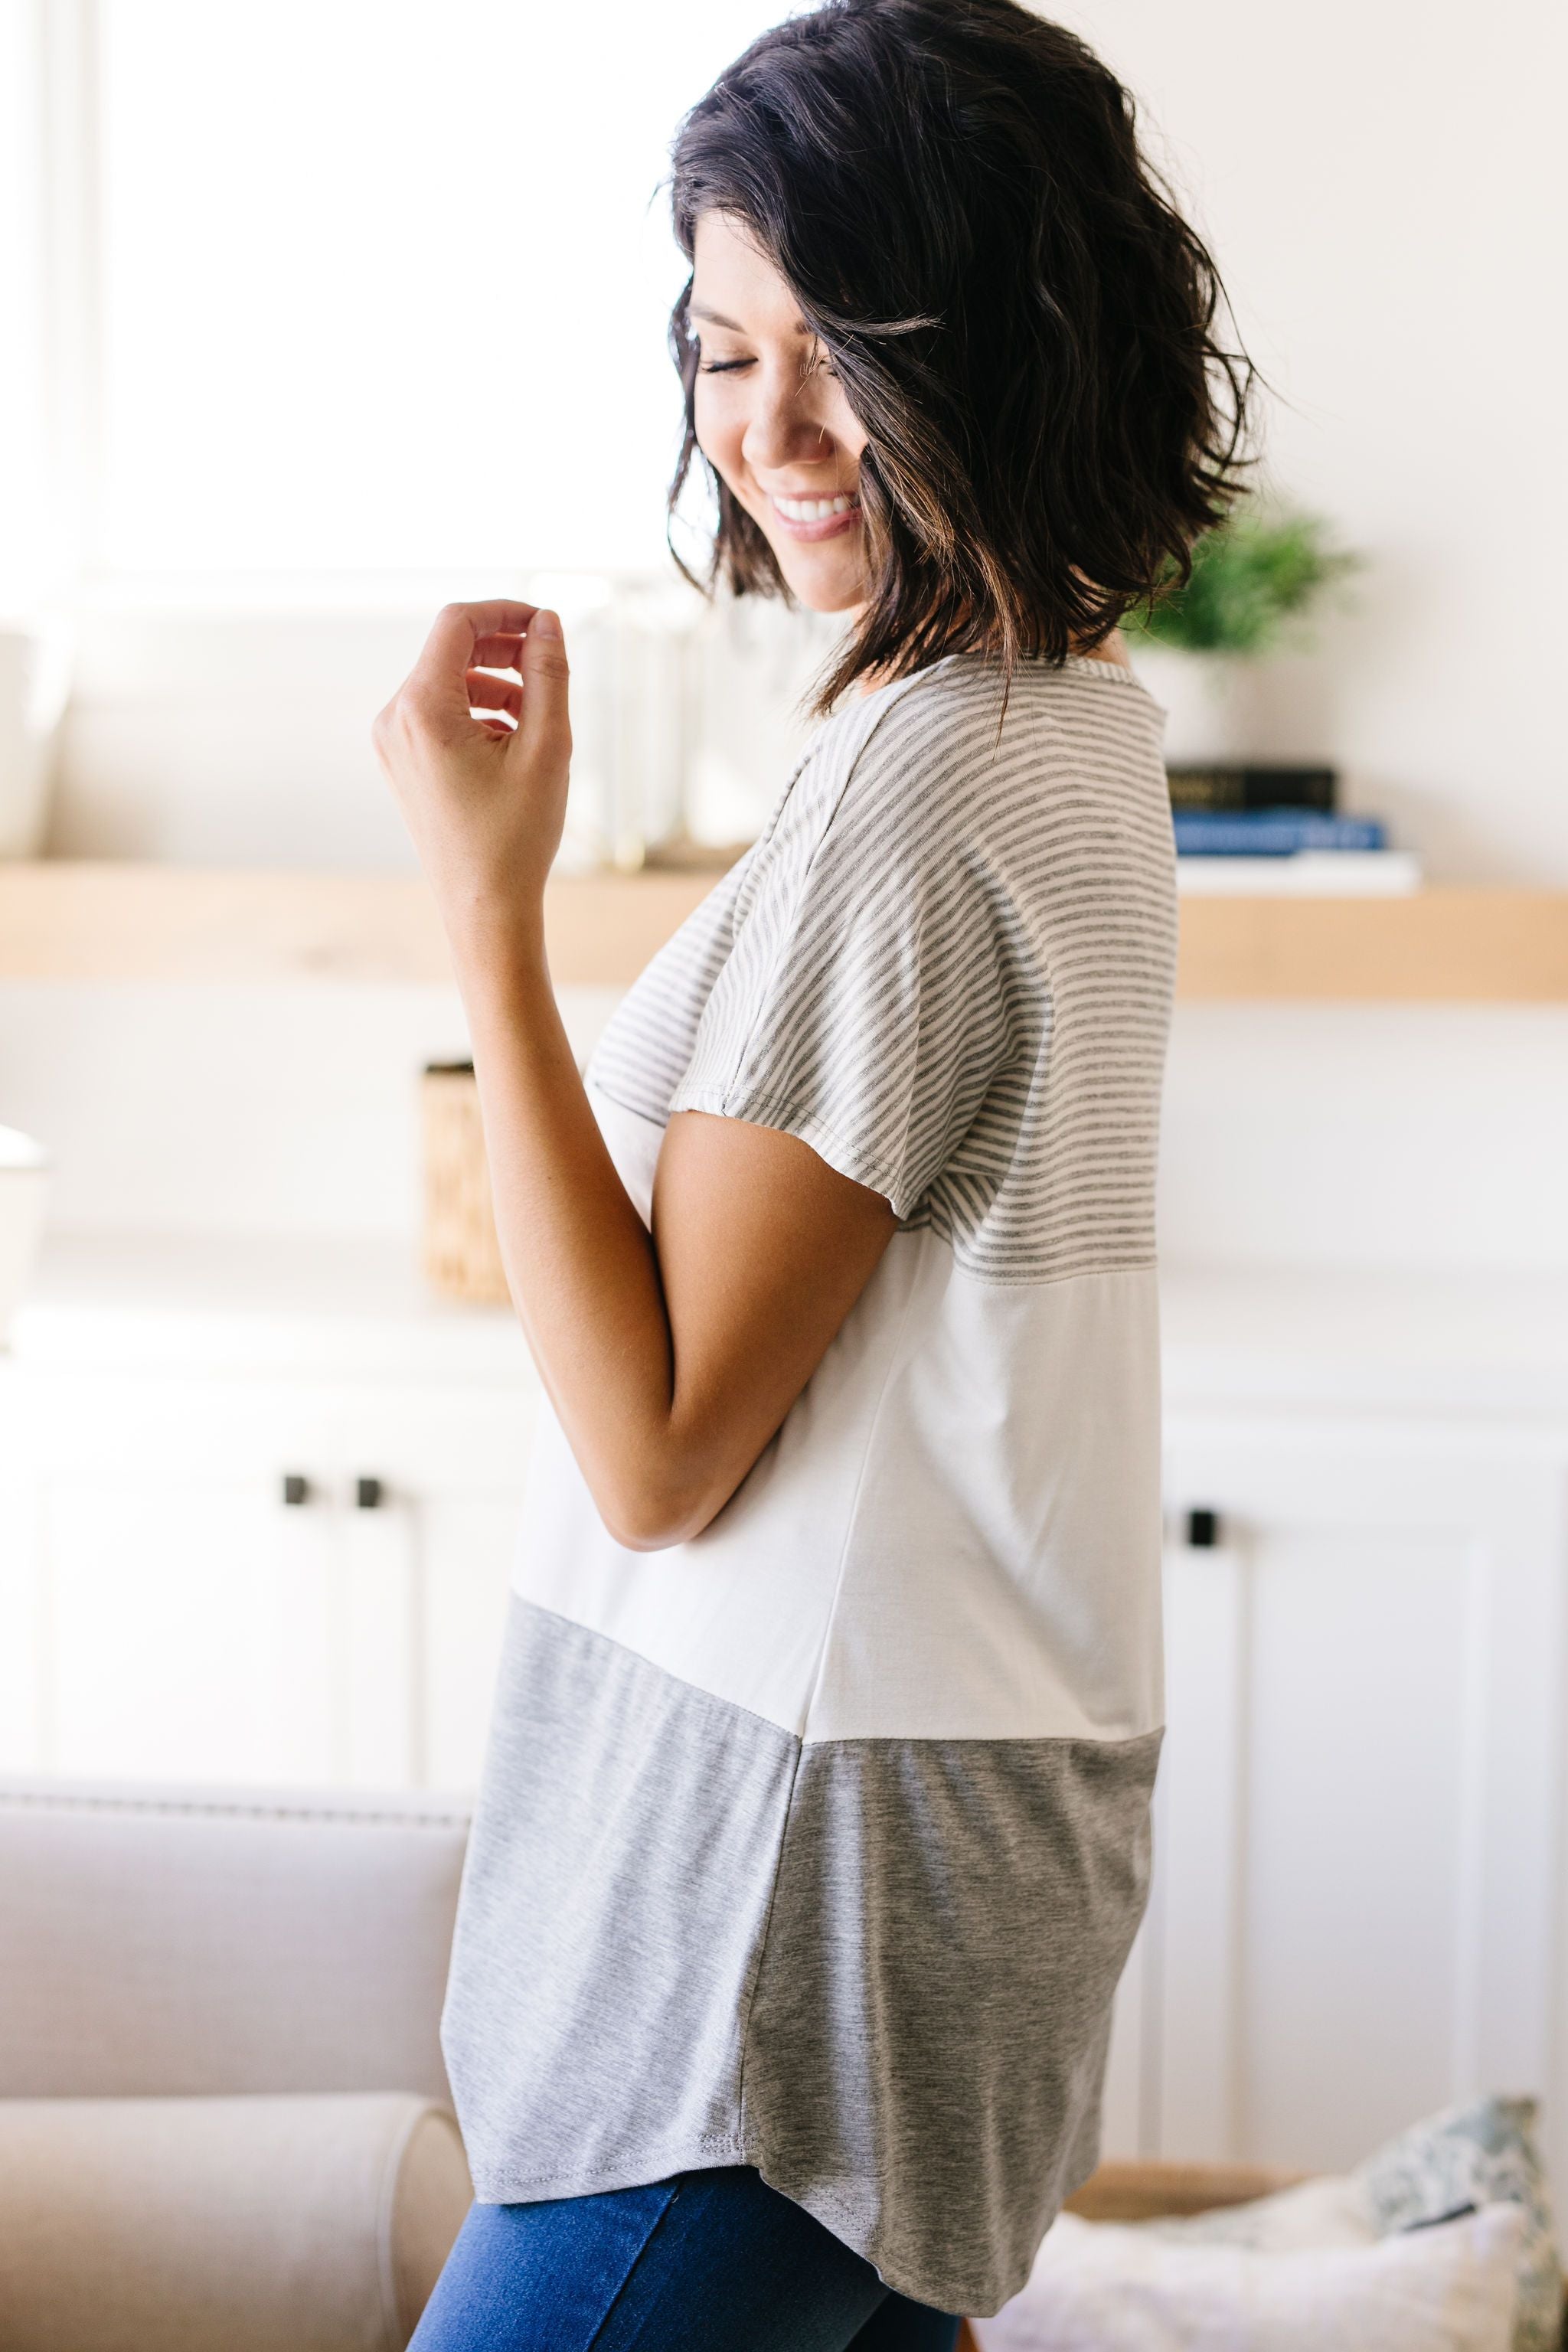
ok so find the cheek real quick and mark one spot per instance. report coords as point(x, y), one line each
point(843, 424)
point(719, 431)
point(853, 444)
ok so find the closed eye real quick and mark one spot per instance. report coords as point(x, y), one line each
point(723, 367)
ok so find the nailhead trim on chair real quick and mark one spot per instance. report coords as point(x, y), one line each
point(281, 1810)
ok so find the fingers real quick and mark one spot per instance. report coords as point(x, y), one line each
point(499, 652)
point(487, 692)
point(450, 679)
point(452, 647)
point(545, 724)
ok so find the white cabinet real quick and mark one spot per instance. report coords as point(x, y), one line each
point(181, 1617)
point(1353, 1916)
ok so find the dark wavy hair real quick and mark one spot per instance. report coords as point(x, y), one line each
point(1024, 324)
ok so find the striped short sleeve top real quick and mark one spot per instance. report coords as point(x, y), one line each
point(818, 1843)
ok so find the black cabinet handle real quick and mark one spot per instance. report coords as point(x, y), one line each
point(1205, 1531)
point(370, 1494)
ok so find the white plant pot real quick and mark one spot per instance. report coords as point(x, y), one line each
point(24, 1192)
point(33, 675)
point(1206, 717)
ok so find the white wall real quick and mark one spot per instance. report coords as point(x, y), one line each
point(1382, 187)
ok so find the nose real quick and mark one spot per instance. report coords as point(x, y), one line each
point(781, 428)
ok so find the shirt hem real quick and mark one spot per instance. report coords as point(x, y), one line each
point(709, 2152)
point(970, 2300)
point(503, 2185)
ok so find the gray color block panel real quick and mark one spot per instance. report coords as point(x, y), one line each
point(880, 1971)
point(924, 2062)
point(609, 1921)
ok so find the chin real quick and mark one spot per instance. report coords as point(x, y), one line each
point(820, 590)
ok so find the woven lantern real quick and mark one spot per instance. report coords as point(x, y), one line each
point(462, 1255)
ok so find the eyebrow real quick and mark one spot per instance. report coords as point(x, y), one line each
point(717, 319)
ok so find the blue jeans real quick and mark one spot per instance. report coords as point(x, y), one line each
point(706, 2261)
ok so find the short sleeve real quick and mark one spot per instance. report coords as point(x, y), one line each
point(862, 1005)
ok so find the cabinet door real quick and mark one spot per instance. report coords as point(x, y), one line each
point(1354, 1913)
point(451, 1465)
point(187, 1612)
point(21, 1586)
point(184, 1620)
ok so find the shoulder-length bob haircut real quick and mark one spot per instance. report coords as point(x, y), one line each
point(1021, 319)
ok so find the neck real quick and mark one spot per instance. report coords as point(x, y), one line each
point(1112, 650)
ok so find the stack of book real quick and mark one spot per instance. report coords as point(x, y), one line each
point(1258, 828)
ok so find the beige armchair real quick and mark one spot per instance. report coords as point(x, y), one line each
point(224, 2125)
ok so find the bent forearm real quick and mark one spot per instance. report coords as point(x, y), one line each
point(581, 1264)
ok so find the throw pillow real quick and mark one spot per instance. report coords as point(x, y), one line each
point(1476, 2154)
point(1331, 2210)
point(1117, 2287)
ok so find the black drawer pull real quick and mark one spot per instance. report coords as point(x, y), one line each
point(369, 1494)
point(296, 1490)
point(1203, 1530)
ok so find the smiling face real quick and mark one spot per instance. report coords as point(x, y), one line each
point(772, 418)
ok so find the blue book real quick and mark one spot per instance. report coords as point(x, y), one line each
point(1272, 833)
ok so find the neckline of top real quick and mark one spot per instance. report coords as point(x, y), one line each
point(1078, 665)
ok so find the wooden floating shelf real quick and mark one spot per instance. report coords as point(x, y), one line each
point(64, 919)
point(1435, 946)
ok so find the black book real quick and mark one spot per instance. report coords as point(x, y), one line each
point(1232, 790)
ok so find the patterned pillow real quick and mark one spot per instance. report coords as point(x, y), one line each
point(1470, 2155)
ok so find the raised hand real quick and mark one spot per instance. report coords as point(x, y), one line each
point(484, 797)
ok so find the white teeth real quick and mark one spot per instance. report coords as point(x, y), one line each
point(812, 510)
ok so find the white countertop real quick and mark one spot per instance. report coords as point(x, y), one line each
point(269, 1305)
point(261, 1304)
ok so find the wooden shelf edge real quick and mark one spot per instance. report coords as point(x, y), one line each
point(66, 920)
point(71, 921)
point(1436, 946)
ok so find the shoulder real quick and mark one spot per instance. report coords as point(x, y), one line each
point(884, 767)
point(921, 766)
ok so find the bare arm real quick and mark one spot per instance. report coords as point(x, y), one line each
point(672, 1357)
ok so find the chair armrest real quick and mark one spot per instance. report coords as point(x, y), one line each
point(188, 1943)
point(252, 2224)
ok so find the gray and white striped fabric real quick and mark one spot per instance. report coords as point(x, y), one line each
point(818, 1842)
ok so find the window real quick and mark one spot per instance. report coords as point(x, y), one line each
point(24, 452)
point(337, 310)
point(376, 285)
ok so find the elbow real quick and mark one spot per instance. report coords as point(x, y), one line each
point(654, 1514)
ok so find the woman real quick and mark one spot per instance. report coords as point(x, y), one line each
point(814, 1830)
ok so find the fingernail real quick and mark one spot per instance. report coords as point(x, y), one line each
point(546, 625)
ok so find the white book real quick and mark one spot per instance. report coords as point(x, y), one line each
point(1309, 874)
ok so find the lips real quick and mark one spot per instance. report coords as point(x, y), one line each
point(817, 517)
